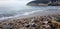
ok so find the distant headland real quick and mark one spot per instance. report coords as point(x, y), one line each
point(44, 3)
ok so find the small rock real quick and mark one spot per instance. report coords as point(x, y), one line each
point(6, 27)
point(33, 25)
point(45, 22)
point(27, 25)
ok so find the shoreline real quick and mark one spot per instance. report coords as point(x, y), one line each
point(39, 13)
point(27, 22)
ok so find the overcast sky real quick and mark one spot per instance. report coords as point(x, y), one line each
point(4, 1)
point(13, 2)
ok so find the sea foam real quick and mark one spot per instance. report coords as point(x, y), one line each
point(23, 14)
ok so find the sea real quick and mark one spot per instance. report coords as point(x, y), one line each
point(17, 8)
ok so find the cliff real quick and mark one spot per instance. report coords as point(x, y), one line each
point(44, 3)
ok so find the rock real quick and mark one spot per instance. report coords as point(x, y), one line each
point(27, 25)
point(45, 26)
point(40, 22)
point(58, 19)
point(36, 3)
point(0, 27)
point(44, 3)
point(6, 27)
point(33, 25)
point(45, 22)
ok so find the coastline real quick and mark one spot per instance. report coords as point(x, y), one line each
point(38, 13)
point(32, 20)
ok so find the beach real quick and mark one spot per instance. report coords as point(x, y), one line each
point(38, 20)
point(15, 14)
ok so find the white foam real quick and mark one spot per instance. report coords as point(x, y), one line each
point(27, 13)
point(18, 15)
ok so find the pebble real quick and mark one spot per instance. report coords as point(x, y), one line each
point(33, 25)
point(6, 27)
point(27, 23)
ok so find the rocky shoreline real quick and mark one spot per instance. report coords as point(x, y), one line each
point(38, 22)
point(44, 3)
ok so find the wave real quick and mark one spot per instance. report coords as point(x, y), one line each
point(18, 15)
point(28, 13)
point(31, 12)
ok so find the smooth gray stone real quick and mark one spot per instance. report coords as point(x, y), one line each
point(6, 27)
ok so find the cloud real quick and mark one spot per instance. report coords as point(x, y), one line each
point(8, 0)
point(13, 1)
point(3, 0)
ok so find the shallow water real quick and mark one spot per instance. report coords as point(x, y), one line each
point(19, 8)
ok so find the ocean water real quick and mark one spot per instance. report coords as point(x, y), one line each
point(10, 9)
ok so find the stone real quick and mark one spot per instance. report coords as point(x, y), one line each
point(6, 27)
point(33, 25)
point(27, 25)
